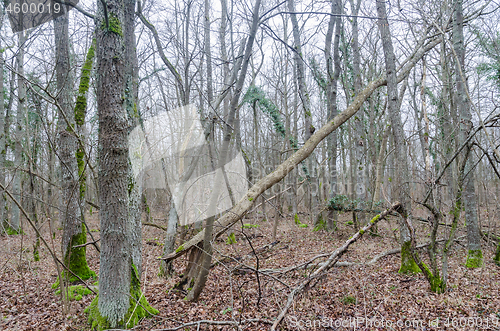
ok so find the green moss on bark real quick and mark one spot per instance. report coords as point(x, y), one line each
point(81, 99)
point(436, 283)
point(320, 223)
point(474, 259)
point(115, 25)
point(408, 265)
point(76, 260)
point(139, 308)
point(497, 256)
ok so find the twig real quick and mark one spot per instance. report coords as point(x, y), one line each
point(155, 226)
point(88, 243)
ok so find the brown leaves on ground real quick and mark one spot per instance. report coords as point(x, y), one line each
point(358, 297)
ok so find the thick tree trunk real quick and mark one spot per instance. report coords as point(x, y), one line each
point(402, 176)
point(120, 302)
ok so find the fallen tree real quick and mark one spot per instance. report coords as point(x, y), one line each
point(242, 207)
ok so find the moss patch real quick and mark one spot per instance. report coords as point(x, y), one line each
point(474, 259)
point(231, 239)
point(81, 99)
point(320, 223)
point(75, 292)
point(13, 232)
point(76, 260)
point(179, 249)
point(408, 265)
point(497, 256)
point(115, 25)
point(139, 308)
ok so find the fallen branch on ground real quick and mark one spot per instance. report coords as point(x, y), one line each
point(334, 257)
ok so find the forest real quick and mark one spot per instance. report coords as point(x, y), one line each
point(249, 165)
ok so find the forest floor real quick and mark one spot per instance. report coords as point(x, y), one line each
point(359, 297)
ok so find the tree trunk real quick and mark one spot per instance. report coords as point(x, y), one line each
point(21, 111)
point(402, 176)
point(3, 147)
point(475, 255)
point(120, 302)
point(305, 99)
point(206, 258)
point(333, 73)
point(74, 233)
point(358, 162)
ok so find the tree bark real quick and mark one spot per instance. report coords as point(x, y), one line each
point(74, 233)
point(333, 73)
point(358, 182)
point(3, 147)
point(120, 294)
point(305, 99)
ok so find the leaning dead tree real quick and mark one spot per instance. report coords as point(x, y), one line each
point(425, 44)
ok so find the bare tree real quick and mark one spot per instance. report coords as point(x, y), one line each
point(401, 160)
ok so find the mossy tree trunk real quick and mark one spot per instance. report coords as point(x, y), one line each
point(402, 176)
point(73, 231)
